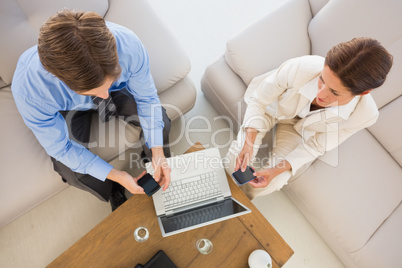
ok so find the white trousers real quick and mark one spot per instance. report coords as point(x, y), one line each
point(286, 139)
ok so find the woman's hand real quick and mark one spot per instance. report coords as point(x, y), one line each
point(264, 177)
point(246, 153)
point(244, 157)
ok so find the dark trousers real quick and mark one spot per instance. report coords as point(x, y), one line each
point(79, 130)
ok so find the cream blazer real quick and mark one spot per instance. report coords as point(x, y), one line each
point(280, 96)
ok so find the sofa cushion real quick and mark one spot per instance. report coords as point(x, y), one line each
point(251, 52)
point(392, 86)
point(37, 14)
point(168, 60)
point(349, 25)
point(351, 200)
point(17, 35)
point(386, 238)
point(27, 176)
point(338, 22)
point(388, 129)
point(20, 22)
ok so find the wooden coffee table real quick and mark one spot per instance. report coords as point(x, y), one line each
point(111, 243)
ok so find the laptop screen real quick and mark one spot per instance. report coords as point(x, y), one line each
point(203, 215)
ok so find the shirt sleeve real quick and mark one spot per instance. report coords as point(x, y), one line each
point(50, 128)
point(264, 91)
point(141, 85)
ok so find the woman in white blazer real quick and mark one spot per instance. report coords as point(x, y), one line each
point(315, 103)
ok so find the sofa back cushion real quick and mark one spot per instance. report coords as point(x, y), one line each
point(388, 129)
point(316, 5)
point(251, 52)
point(169, 62)
point(351, 198)
point(342, 20)
point(20, 21)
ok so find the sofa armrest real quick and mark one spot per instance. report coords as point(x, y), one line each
point(225, 90)
point(169, 62)
point(270, 41)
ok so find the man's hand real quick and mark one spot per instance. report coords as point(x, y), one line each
point(126, 180)
point(161, 167)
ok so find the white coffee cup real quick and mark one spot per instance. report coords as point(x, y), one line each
point(259, 259)
point(204, 246)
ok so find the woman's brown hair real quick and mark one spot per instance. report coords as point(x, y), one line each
point(79, 49)
point(361, 64)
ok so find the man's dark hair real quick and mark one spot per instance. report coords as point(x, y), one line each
point(79, 49)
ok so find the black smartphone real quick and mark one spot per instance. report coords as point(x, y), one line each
point(148, 183)
point(243, 177)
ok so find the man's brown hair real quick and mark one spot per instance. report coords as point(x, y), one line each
point(79, 49)
point(361, 63)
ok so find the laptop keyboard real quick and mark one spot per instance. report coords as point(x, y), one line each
point(198, 216)
point(190, 190)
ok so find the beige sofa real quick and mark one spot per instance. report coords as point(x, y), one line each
point(26, 174)
point(352, 195)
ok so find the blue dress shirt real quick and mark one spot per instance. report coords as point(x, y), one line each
point(40, 96)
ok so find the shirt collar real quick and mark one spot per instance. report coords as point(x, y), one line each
point(310, 89)
point(344, 111)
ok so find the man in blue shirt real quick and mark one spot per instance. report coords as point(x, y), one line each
point(82, 63)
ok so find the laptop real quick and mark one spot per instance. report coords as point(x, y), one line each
point(198, 194)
